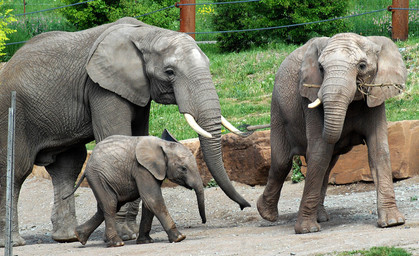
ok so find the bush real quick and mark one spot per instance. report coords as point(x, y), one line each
point(5, 19)
point(272, 13)
point(100, 12)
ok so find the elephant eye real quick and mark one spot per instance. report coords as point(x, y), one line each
point(362, 66)
point(169, 72)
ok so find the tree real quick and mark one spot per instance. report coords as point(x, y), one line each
point(5, 19)
point(99, 12)
point(273, 13)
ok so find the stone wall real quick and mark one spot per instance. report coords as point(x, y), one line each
point(247, 160)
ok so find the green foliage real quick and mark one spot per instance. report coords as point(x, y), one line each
point(212, 184)
point(272, 13)
point(27, 26)
point(413, 198)
point(296, 176)
point(377, 251)
point(5, 20)
point(104, 11)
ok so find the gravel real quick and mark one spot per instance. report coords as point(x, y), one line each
point(230, 231)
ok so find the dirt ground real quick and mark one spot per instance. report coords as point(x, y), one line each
point(230, 231)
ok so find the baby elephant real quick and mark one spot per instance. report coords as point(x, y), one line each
point(124, 168)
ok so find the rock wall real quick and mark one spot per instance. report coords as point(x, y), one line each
point(247, 160)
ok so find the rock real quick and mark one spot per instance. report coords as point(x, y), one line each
point(404, 155)
point(246, 160)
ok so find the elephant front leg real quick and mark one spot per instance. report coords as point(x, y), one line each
point(64, 172)
point(322, 215)
point(318, 161)
point(145, 226)
point(152, 197)
point(379, 161)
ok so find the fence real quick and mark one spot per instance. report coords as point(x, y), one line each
point(8, 249)
point(193, 14)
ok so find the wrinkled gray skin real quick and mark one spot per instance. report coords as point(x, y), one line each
point(76, 87)
point(124, 168)
point(345, 118)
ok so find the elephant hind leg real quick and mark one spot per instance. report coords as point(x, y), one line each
point(84, 231)
point(64, 171)
point(281, 163)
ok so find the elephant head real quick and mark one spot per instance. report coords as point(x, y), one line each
point(142, 63)
point(172, 160)
point(340, 65)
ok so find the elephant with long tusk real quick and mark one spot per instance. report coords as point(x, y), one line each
point(75, 87)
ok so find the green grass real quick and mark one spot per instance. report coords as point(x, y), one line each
point(375, 251)
point(406, 106)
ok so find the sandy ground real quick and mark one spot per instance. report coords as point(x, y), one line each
point(230, 231)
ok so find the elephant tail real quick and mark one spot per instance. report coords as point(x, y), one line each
point(76, 186)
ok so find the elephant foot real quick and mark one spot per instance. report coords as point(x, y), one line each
point(390, 217)
point(144, 239)
point(115, 241)
point(177, 239)
point(64, 235)
point(81, 235)
point(322, 215)
point(267, 211)
point(126, 230)
point(304, 226)
point(17, 240)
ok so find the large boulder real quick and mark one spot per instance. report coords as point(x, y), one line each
point(404, 155)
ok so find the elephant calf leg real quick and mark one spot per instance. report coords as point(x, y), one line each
point(84, 231)
point(145, 226)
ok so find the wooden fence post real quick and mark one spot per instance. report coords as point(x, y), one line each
point(400, 20)
point(187, 16)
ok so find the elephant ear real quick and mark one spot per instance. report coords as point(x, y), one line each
point(150, 155)
point(390, 70)
point(310, 68)
point(116, 64)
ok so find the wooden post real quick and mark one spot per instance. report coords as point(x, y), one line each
point(400, 20)
point(24, 6)
point(187, 16)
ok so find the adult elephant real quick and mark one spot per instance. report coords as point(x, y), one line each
point(333, 73)
point(76, 87)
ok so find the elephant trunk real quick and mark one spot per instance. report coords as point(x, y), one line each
point(199, 190)
point(334, 118)
point(207, 112)
point(337, 93)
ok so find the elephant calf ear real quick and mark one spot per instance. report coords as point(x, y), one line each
point(390, 70)
point(150, 155)
point(117, 65)
point(310, 68)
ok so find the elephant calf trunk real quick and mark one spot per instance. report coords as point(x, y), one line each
point(201, 203)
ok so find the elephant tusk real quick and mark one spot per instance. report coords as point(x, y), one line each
point(195, 126)
point(230, 127)
point(315, 103)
